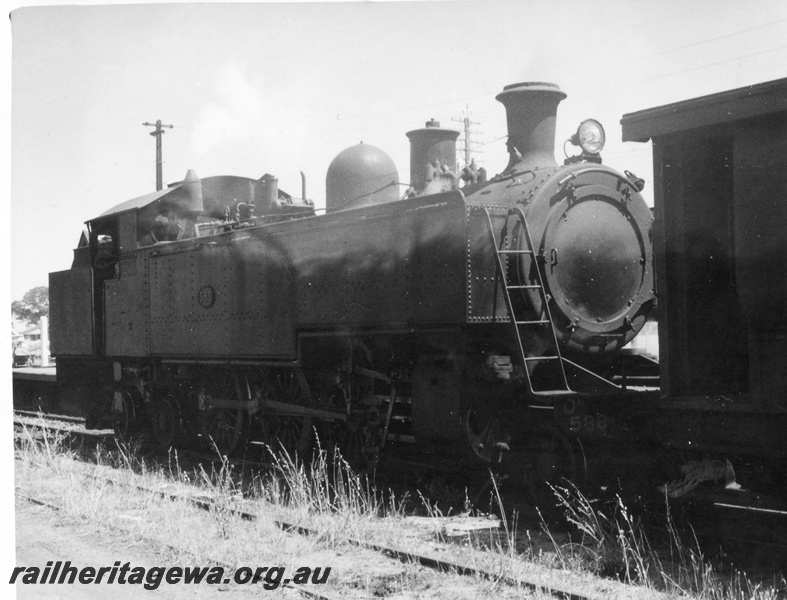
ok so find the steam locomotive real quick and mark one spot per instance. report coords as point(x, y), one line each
point(452, 317)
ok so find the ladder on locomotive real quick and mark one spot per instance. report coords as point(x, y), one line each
point(521, 321)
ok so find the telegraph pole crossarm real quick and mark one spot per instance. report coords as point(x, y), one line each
point(157, 134)
point(466, 136)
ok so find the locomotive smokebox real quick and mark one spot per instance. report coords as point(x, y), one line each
point(431, 148)
point(531, 110)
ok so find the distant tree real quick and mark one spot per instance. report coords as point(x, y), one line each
point(33, 305)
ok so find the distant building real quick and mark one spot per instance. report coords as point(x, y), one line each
point(30, 338)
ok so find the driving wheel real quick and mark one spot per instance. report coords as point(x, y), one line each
point(124, 415)
point(292, 433)
point(224, 420)
point(167, 422)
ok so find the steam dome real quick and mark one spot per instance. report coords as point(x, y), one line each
point(361, 175)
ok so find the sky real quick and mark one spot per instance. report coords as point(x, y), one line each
point(280, 88)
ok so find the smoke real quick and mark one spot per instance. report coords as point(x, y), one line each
point(237, 114)
point(250, 126)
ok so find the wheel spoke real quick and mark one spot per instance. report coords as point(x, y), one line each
point(292, 433)
point(124, 418)
point(225, 429)
point(167, 425)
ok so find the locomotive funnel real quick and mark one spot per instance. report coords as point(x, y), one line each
point(530, 112)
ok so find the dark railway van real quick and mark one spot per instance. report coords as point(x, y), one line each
point(720, 179)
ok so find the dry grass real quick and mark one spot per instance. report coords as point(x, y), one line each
point(326, 495)
point(615, 545)
point(323, 495)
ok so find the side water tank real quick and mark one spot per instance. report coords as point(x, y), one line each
point(360, 175)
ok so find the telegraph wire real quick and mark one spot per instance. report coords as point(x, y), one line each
point(401, 110)
point(721, 62)
point(721, 37)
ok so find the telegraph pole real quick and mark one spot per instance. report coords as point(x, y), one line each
point(157, 134)
point(467, 134)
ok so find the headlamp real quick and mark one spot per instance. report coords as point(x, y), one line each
point(590, 137)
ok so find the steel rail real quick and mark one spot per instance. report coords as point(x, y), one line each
point(301, 590)
point(196, 455)
point(52, 417)
point(404, 556)
point(76, 430)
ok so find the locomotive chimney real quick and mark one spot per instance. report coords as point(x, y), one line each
point(530, 112)
point(427, 145)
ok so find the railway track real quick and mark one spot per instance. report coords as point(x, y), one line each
point(75, 427)
point(308, 593)
point(752, 526)
point(405, 556)
point(54, 423)
point(49, 416)
point(400, 554)
point(71, 428)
